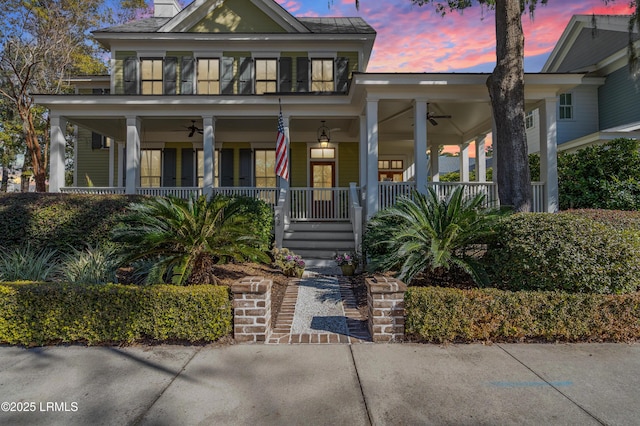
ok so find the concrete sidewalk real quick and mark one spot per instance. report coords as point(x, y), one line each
point(322, 384)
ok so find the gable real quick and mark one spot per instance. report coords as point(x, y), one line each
point(590, 47)
point(237, 16)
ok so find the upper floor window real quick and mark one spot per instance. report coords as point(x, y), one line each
point(266, 76)
point(322, 79)
point(208, 76)
point(151, 76)
point(566, 106)
point(528, 120)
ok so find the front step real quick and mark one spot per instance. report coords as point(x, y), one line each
point(319, 241)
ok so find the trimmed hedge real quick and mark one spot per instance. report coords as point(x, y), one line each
point(41, 313)
point(618, 219)
point(543, 251)
point(435, 314)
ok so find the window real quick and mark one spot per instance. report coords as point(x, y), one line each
point(322, 75)
point(150, 168)
point(266, 76)
point(151, 81)
point(528, 120)
point(323, 153)
point(265, 167)
point(390, 170)
point(391, 164)
point(208, 76)
point(566, 106)
point(200, 168)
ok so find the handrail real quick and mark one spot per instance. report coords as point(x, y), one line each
point(355, 215)
point(280, 217)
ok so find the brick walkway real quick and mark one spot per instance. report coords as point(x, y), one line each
point(356, 324)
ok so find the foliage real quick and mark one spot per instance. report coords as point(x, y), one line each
point(261, 223)
point(60, 221)
point(90, 266)
point(455, 176)
point(289, 263)
point(185, 237)
point(351, 259)
point(436, 314)
point(37, 314)
point(542, 251)
point(27, 263)
point(432, 233)
point(621, 220)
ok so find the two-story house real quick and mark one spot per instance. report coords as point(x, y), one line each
point(193, 100)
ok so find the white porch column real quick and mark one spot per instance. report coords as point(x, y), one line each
point(549, 153)
point(363, 151)
point(208, 143)
point(56, 158)
point(481, 160)
point(282, 183)
point(133, 154)
point(120, 163)
point(464, 162)
point(112, 160)
point(372, 157)
point(494, 146)
point(434, 168)
point(420, 144)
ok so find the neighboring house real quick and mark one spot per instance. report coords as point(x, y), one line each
point(607, 104)
point(193, 99)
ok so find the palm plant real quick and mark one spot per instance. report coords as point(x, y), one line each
point(432, 233)
point(90, 266)
point(183, 238)
point(28, 264)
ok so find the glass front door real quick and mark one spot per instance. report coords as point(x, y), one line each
point(323, 176)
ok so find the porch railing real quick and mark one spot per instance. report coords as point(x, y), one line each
point(268, 195)
point(92, 190)
point(179, 192)
point(538, 189)
point(330, 204)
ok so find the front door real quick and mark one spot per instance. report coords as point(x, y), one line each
point(322, 176)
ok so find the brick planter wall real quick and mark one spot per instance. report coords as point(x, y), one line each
point(386, 308)
point(251, 309)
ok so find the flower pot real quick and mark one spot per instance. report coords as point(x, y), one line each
point(348, 270)
point(296, 272)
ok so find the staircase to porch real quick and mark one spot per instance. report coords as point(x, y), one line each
point(319, 242)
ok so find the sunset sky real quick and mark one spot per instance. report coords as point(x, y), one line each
point(417, 39)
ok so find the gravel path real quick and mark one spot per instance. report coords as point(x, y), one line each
point(319, 307)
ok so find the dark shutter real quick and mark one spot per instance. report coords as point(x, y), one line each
point(226, 167)
point(169, 167)
point(186, 75)
point(245, 167)
point(170, 75)
point(131, 75)
point(96, 140)
point(286, 76)
point(187, 178)
point(226, 76)
point(342, 74)
point(245, 76)
point(302, 74)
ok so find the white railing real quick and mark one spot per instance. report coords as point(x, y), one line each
point(92, 190)
point(355, 215)
point(538, 189)
point(388, 192)
point(471, 189)
point(268, 195)
point(175, 191)
point(319, 204)
point(280, 216)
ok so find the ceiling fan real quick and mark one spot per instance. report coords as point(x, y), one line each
point(193, 128)
point(431, 117)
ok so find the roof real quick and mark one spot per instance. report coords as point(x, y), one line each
point(147, 25)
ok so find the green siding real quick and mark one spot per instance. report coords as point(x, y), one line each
point(353, 61)
point(237, 16)
point(619, 100)
point(298, 164)
point(92, 163)
point(118, 70)
point(349, 164)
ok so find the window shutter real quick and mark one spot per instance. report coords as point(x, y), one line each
point(186, 75)
point(188, 175)
point(245, 167)
point(170, 75)
point(96, 140)
point(302, 74)
point(226, 167)
point(131, 75)
point(342, 75)
point(286, 75)
point(245, 76)
point(226, 76)
point(169, 167)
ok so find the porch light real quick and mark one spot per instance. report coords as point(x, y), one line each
point(324, 135)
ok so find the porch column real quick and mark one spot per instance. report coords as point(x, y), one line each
point(208, 142)
point(494, 147)
point(481, 160)
point(420, 144)
point(120, 163)
point(464, 162)
point(56, 159)
point(283, 183)
point(112, 160)
point(372, 157)
point(363, 151)
point(435, 163)
point(133, 154)
point(549, 153)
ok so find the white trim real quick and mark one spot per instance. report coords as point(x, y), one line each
point(207, 54)
point(334, 160)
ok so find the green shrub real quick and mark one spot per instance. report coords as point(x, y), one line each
point(59, 221)
point(37, 314)
point(260, 218)
point(28, 264)
point(542, 251)
point(436, 314)
point(90, 266)
point(622, 220)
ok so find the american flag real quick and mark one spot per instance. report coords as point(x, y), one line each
point(282, 153)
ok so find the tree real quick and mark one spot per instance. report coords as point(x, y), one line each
point(506, 89)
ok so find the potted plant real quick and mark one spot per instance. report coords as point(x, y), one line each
point(290, 263)
point(348, 262)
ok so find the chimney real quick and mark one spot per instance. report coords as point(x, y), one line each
point(166, 8)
